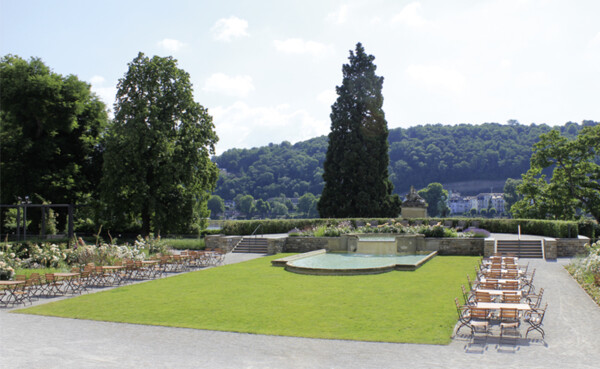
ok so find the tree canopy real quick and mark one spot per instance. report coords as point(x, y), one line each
point(436, 197)
point(356, 164)
point(503, 149)
point(157, 161)
point(50, 135)
point(575, 182)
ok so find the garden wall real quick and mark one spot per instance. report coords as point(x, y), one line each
point(569, 247)
point(444, 246)
point(559, 247)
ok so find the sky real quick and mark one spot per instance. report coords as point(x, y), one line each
point(267, 70)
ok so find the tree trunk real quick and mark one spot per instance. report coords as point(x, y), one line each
point(145, 220)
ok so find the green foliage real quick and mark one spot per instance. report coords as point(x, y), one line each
point(356, 164)
point(51, 135)
point(511, 196)
point(216, 205)
point(245, 204)
point(586, 270)
point(105, 254)
point(575, 182)
point(185, 243)
point(10, 220)
point(157, 161)
point(436, 197)
point(550, 228)
point(307, 205)
point(418, 156)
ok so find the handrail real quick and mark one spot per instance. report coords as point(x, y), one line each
point(241, 239)
point(256, 229)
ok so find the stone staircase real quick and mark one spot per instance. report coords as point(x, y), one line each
point(521, 248)
point(253, 245)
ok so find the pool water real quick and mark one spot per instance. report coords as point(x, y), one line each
point(352, 263)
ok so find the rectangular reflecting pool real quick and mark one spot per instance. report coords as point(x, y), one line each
point(322, 263)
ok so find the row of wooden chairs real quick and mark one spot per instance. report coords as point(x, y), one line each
point(90, 275)
point(516, 287)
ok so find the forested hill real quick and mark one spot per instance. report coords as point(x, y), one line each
point(418, 156)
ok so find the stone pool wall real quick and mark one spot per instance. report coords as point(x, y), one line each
point(406, 244)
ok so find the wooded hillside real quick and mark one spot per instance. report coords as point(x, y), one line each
point(464, 153)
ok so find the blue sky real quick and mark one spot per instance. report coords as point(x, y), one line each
point(267, 70)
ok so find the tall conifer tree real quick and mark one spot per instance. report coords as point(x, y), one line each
point(356, 165)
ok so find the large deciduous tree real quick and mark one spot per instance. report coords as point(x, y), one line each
point(436, 197)
point(356, 164)
point(157, 162)
point(575, 182)
point(50, 134)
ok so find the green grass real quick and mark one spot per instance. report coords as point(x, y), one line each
point(40, 271)
point(255, 297)
point(185, 243)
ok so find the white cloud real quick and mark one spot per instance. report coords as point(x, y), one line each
point(238, 86)
point(409, 16)
point(593, 48)
point(97, 80)
point(437, 77)
point(171, 45)
point(243, 126)
point(226, 29)
point(300, 46)
point(106, 94)
point(327, 97)
point(340, 16)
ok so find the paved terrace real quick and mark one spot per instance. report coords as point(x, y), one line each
point(572, 326)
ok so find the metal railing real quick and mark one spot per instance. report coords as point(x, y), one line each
point(241, 239)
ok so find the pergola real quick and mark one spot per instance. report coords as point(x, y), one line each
point(25, 205)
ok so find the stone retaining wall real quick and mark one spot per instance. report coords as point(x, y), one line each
point(306, 244)
point(455, 246)
point(219, 241)
point(569, 247)
point(444, 246)
point(560, 247)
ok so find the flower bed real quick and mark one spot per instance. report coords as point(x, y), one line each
point(391, 227)
point(50, 255)
point(586, 271)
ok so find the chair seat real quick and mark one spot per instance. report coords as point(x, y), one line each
point(509, 325)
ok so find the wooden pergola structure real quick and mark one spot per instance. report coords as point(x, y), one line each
point(43, 207)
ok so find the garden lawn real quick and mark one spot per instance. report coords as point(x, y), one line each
point(255, 297)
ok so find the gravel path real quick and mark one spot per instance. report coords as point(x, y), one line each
point(572, 327)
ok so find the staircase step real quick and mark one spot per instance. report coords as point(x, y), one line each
point(523, 248)
point(254, 245)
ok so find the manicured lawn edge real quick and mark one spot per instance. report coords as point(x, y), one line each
point(255, 297)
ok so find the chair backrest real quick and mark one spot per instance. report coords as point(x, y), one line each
point(49, 277)
point(469, 282)
point(509, 314)
point(20, 277)
point(489, 285)
point(465, 293)
point(510, 285)
point(479, 313)
point(511, 298)
point(460, 310)
point(510, 274)
point(483, 296)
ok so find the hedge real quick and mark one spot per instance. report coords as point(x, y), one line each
point(549, 228)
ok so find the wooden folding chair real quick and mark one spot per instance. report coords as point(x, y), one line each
point(509, 320)
point(535, 319)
